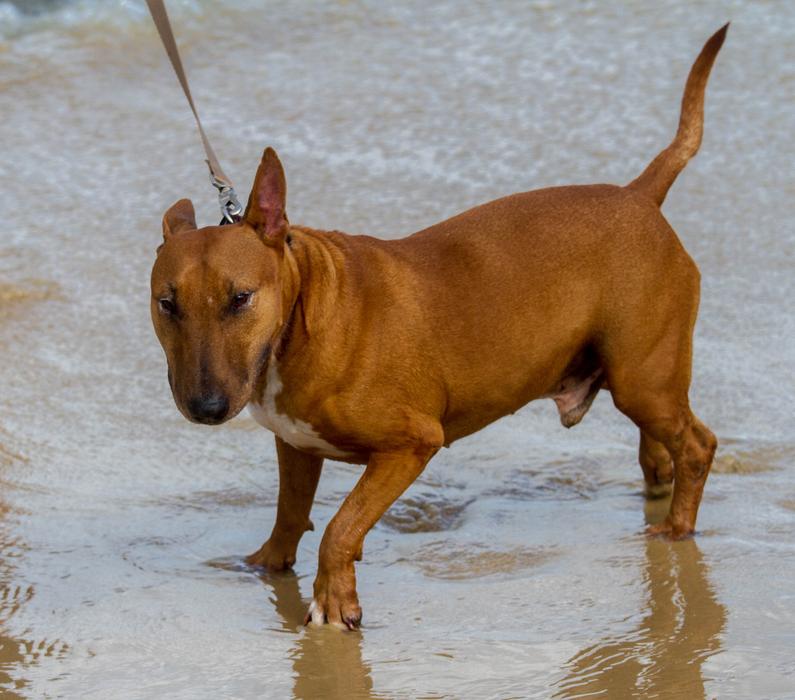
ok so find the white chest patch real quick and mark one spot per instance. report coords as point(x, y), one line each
point(297, 433)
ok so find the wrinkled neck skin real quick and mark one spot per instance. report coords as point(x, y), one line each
point(312, 285)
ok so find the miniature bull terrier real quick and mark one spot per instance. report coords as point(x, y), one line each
point(380, 352)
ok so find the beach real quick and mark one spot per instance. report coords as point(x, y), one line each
point(516, 566)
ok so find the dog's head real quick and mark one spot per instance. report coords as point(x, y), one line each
point(218, 298)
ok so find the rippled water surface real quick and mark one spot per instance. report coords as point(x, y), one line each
point(515, 567)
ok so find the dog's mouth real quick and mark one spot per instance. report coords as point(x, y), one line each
point(209, 421)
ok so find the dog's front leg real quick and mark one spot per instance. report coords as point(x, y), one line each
point(298, 476)
point(386, 477)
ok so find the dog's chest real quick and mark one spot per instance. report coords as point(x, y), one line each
point(293, 431)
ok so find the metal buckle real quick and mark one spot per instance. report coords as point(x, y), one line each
point(230, 206)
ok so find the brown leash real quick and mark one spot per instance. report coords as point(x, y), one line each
point(230, 206)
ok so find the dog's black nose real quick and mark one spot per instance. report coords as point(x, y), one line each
point(209, 408)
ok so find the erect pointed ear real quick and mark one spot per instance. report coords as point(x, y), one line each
point(180, 215)
point(265, 210)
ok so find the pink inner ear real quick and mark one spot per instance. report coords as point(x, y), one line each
point(271, 203)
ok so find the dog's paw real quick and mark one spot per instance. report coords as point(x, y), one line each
point(272, 557)
point(318, 615)
point(668, 530)
point(335, 602)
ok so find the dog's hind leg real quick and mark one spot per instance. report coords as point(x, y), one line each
point(693, 447)
point(652, 392)
point(647, 359)
point(657, 465)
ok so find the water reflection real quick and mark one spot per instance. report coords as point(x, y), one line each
point(17, 653)
point(12, 597)
point(327, 662)
point(664, 655)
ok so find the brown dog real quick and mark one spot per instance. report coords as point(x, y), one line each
point(380, 352)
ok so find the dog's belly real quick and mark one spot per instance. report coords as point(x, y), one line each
point(572, 382)
point(293, 431)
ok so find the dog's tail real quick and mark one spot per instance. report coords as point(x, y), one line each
point(658, 177)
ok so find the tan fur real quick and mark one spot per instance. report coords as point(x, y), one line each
point(388, 350)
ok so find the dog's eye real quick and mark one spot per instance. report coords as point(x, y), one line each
point(241, 300)
point(167, 306)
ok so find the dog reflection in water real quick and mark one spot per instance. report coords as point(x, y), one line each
point(663, 656)
point(326, 664)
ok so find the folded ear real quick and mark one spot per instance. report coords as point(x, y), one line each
point(265, 210)
point(180, 215)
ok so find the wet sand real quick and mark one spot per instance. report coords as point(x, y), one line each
point(516, 566)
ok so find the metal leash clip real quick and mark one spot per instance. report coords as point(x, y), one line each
point(227, 198)
point(230, 206)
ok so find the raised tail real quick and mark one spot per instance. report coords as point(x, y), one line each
point(658, 177)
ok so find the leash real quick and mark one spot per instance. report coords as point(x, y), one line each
point(230, 206)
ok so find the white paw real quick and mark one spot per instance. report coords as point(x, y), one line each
point(317, 616)
point(316, 613)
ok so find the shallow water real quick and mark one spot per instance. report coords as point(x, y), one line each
point(515, 567)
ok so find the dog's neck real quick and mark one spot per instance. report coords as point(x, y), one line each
point(314, 284)
point(315, 271)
